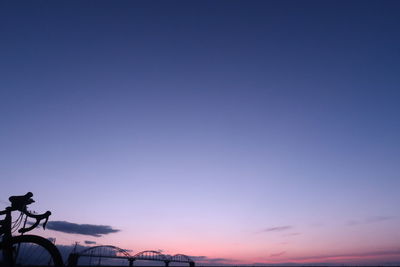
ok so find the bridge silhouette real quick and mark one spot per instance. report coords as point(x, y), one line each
point(98, 254)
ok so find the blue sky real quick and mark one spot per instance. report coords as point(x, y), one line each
point(197, 125)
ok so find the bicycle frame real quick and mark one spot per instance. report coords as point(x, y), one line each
point(6, 224)
point(20, 203)
point(10, 245)
point(6, 230)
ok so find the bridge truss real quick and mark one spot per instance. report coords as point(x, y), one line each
point(111, 255)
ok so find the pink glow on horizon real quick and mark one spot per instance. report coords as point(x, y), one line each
point(241, 254)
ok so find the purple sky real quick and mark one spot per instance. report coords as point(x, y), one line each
point(254, 131)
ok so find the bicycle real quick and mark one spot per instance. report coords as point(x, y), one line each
point(24, 250)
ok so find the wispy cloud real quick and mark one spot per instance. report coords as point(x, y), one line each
point(87, 242)
point(350, 255)
point(369, 220)
point(276, 229)
point(82, 229)
point(375, 219)
point(292, 234)
point(277, 254)
point(211, 261)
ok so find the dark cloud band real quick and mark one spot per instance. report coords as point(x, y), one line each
point(82, 229)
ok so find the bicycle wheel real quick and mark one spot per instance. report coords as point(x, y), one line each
point(30, 250)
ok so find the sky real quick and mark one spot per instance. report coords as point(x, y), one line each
point(241, 131)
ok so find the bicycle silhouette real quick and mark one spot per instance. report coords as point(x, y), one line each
point(23, 250)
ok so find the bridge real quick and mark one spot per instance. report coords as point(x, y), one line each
point(112, 255)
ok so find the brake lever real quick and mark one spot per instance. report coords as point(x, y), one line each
point(47, 214)
point(38, 218)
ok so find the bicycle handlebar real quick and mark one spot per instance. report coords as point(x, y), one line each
point(38, 218)
point(20, 203)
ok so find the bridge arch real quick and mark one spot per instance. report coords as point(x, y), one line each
point(151, 255)
point(97, 255)
point(114, 249)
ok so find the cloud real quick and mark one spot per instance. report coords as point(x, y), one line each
point(278, 254)
point(87, 242)
point(292, 234)
point(211, 261)
point(369, 220)
point(276, 229)
point(351, 255)
point(375, 219)
point(82, 229)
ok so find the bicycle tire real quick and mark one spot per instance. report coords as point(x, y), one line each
point(39, 244)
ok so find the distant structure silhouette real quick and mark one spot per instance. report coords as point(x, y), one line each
point(97, 253)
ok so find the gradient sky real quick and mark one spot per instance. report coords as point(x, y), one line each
point(250, 131)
